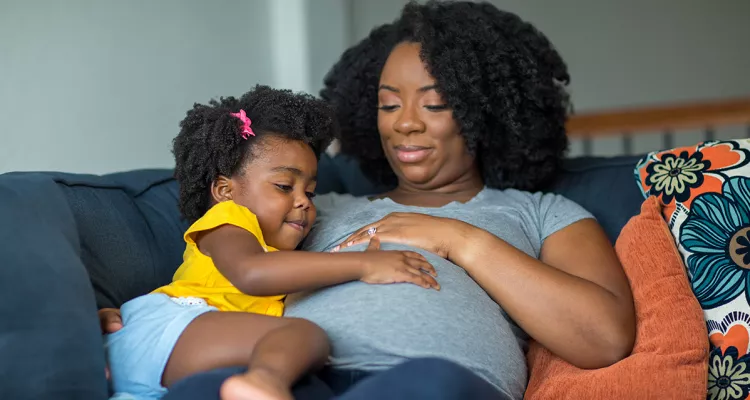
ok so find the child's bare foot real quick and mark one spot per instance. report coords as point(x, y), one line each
point(255, 385)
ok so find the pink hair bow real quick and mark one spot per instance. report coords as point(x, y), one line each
point(246, 130)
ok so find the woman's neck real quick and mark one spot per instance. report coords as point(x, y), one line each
point(461, 190)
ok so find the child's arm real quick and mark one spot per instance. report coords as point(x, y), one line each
point(239, 256)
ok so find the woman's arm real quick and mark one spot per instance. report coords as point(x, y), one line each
point(575, 300)
point(239, 256)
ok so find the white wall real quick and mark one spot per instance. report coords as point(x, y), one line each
point(290, 52)
point(100, 85)
point(328, 35)
point(366, 14)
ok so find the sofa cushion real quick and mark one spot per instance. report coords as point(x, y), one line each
point(677, 176)
point(669, 357)
point(48, 305)
point(129, 230)
point(602, 185)
point(705, 190)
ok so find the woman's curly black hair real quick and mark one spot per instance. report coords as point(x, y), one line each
point(502, 78)
point(210, 143)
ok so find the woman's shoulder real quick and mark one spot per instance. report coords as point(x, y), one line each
point(513, 196)
point(520, 195)
point(540, 202)
point(544, 212)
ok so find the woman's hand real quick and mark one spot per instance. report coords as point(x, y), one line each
point(442, 236)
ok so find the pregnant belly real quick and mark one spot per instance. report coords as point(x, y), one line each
point(373, 327)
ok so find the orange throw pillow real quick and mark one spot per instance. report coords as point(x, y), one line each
point(670, 357)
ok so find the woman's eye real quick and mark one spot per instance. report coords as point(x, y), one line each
point(387, 108)
point(284, 188)
point(437, 108)
point(310, 195)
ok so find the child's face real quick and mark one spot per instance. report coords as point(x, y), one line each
point(277, 186)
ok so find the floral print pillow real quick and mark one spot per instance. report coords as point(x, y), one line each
point(705, 191)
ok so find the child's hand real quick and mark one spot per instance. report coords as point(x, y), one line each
point(110, 320)
point(397, 267)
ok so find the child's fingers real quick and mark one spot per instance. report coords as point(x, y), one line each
point(412, 275)
point(415, 255)
point(422, 264)
point(110, 320)
point(423, 279)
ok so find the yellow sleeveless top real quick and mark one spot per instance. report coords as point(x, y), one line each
point(198, 276)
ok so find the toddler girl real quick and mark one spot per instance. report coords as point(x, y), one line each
point(247, 172)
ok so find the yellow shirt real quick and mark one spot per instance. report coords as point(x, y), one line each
point(198, 276)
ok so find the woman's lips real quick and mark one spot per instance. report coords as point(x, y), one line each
point(412, 154)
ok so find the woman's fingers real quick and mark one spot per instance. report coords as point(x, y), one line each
point(365, 231)
point(355, 239)
point(359, 234)
point(392, 220)
point(374, 244)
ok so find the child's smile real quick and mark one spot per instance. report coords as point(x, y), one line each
point(277, 186)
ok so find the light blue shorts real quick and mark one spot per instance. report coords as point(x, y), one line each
point(138, 353)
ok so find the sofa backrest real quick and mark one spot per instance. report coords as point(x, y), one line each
point(126, 229)
point(605, 186)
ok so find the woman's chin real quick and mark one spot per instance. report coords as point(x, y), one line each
point(416, 175)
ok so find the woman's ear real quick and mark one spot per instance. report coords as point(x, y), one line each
point(221, 189)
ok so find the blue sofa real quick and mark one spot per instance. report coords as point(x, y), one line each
point(70, 244)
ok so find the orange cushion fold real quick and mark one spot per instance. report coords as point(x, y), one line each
point(670, 357)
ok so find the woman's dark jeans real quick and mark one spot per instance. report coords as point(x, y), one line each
point(427, 378)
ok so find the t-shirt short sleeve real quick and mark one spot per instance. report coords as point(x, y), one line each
point(556, 212)
point(226, 213)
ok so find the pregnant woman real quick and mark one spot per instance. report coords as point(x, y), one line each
point(460, 108)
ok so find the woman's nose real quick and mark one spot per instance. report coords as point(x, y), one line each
point(408, 121)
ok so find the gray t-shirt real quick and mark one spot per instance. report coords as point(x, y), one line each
point(374, 327)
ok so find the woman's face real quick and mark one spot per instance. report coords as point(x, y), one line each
point(419, 136)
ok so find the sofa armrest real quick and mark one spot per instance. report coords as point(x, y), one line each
point(50, 339)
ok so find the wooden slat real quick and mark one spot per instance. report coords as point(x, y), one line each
point(660, 118)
